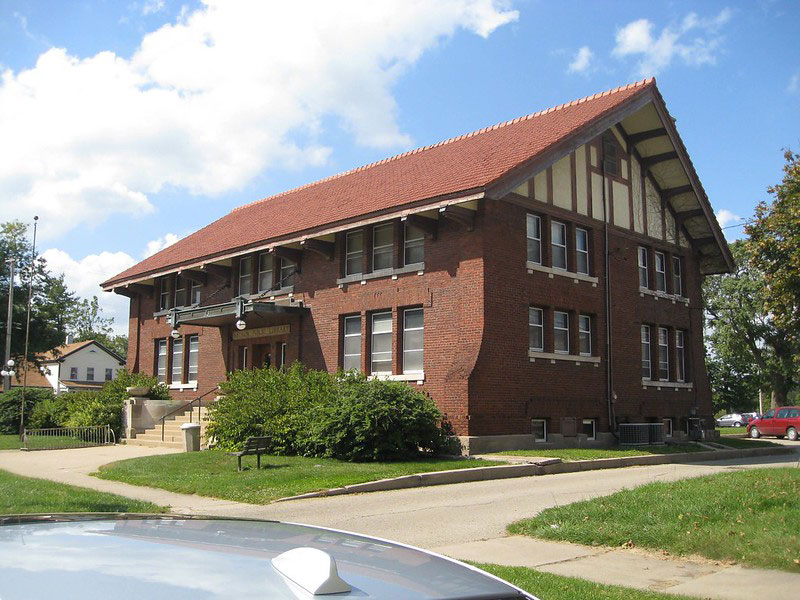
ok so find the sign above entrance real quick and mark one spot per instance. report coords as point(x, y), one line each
point(261, 332)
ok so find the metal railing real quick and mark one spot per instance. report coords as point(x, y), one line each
point(182, 408)
point(57, 438)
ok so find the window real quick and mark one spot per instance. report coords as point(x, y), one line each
point(680, 355)
point(539, 430)
point(663, 353)
point(413, 334)
point(381, 343)
point(288, 269)
point(646, 373)
point(661, 272)
point(177, 361)
point(355, 252)
point(534, 239)
point(535, 329)
point(558, 241)
point(163, 298)
point(89, 373)
point(352, 343)
point(561, 332)
point(589, 428)
point(180, 291)
point(414, 246)
point(194, 352)
point(73, 373)
point(266, 262)
point(161, 361)
point(382, 246)
point(109, 374)
point(667, 427)
point(243, 355)
point(643, 267)
point(610, 155)
point(282, 353)
point(245, 276)
point(677, 280)
point(585, 334)
point(582, 251)
point(194, 292)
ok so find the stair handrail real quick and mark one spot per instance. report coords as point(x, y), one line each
point(190, 406)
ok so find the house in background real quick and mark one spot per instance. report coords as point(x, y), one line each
point(539, 278)
point(74, 366)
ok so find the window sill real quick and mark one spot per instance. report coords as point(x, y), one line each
point(676, 385)
point(362, 278)
point(184, 386)
point(576, 277)
point(271, 294)
point(553, 357)
point(674, 298)
point(418, 377)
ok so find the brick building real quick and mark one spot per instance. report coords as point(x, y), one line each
point(540, 279)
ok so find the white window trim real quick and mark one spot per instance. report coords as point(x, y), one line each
point(589, 331)
point(552, 357)
point(260, 272)
point(553, 244)
point(642, 329)
point(538, 240)
point(676, 260)
point(372, 338)
point(375, 248)
point(345, 335)
point(579, 251)
point(543, 422)
point(188, 349)
point(418, 268)
point(532, 266)
point(422, 350)
point(680, 356)
point(540, 325)
point(656, 295)
point(353, 253)
point(658, 384)
point(183, 289)
point(594, 428)
point(195, 285)
point(412, 242)
point(248, 275)
point(182, 387)
point(560, 312)
point(642, 253)
point(662, 272)
point(418, 377)
point(666, 357)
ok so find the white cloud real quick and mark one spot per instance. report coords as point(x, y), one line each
point(582, 60)
point(656, 53)
point(794, 84)
point(210, 101)
point(726, 217)
point(84, 277)
point(159, 244)
point(150, 7)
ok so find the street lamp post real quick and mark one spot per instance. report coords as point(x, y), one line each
point(9, 363)
point(27, 332)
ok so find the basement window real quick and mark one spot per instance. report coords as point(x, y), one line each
point(589, 428)
point(539, 430)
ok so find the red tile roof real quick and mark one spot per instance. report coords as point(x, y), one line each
point(466, 163)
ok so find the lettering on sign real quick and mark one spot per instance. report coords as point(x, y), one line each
point(261, 332)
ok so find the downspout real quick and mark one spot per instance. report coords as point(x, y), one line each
point(609, 372)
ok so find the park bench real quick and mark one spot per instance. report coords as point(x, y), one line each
point(254, 446)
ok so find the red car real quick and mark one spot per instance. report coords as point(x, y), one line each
point(782, 421)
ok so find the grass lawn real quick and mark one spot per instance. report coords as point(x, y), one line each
point(732, 430)
point(557, 587)
point(751, 517)
point(748, 443)
point(26, 495)
point(572, 454)
point(213, 473)
point(10, 442)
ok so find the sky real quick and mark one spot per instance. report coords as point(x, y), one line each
point(127, 125)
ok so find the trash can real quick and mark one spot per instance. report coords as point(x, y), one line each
point(191, 437)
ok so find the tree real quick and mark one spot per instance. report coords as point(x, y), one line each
point(746, 341)
point(87, 322)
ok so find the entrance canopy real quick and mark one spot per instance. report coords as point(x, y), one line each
point(228, 313)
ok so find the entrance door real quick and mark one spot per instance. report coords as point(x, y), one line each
point(262, 356)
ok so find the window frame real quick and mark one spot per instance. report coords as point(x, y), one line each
point(109, 374)
point(180, 289)
point(645, 329)
point(584, 333)
point(245, 275)
point(163, 294)
point(579, 253)
point(382, 249)
point(287, 280)
point(373, 335)
point(162, 343)
point(663, 356)
point(680, 355)
point(353, 254)
point(643, 268)
point(89, 373)
point(192, 340)
point(533, 240)
point(264, 273)
point(195, 290)
point(176, 367)
point(421, 350)
point(677, 276)
point(661, 274)
point(410, 244)
point(73, 373)
point(544, 429)
point(554, 225)
point(557, 329)
point(593, 423)
point(532, 325)
point(345, 335)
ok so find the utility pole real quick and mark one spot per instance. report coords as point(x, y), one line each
point(27, 332)
point(7, 380)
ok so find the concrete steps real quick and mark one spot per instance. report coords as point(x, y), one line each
point(173, 435)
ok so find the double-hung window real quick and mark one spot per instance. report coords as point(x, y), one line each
point(663, 353)
point(161, 361)
point(194, 292)
point(177, 361)
point(680, 355)
point(266, 261)
point(245, 275)
point(413, 340)
point(180, 291)
point(535, 329)
point(354, 253)
point(643, 277)
point(163, 297)
point(89, 373)
point(581, 251)
point(73, 373)
point(288, 269)
point(534, 239)
point(194, 352)
point(677, 277)
point(414, 245)
point(558, 243)
point(585, 334)
point(352, 343)
point(661, 272)
point(646, 372)
point(382, 246)
point(561, 332)
point(109, 374)
point(381, 343)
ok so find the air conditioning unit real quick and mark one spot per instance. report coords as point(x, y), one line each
point(641, 434)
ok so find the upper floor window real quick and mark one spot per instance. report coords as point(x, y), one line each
point(288, 269)
point(382, 246)
point(245, 275)
point(180, 291)
point(414, 246)
point(161, 361)
point(177, 361)
point(535, 329)
point(195, 292)
point(381, 343)
point(561, 332)
point(266, 262)
point(194, 353)
point(89, 373)
point(661, 272)
point(663, 353)
point(611, 154)
point(354, 259)
point(73, 372)
point(109, 374)
point(351, 345)
point(677, 278)
point(680, 355)
point(413, 340)
point(558, 241)
point(646, 372)
point(163, 296)
point(585, 334)
point(534, 239)
point(582, 251)
point(643, 278)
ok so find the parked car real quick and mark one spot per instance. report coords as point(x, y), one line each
point(732, 420)
point(181, 558)
point(780, 422)
point(751, 416)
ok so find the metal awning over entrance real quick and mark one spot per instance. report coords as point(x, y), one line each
point(228, 313)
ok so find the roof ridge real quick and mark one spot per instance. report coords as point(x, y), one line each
point(643, 82)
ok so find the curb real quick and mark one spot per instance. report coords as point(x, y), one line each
point(544, 467)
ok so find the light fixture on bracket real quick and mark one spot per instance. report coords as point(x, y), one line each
point(9, 370)
point(175, 334)
point(241, 325)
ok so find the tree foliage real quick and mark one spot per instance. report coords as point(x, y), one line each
point(87, 322)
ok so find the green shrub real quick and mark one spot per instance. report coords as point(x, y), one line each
point(89, 408)
point(10, 404)
point(50, 412)
point(126, 379)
